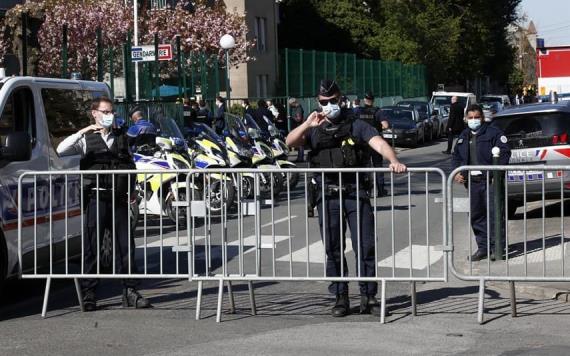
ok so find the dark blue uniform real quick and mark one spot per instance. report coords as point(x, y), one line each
point(370, 114)
point(486, 138)
point(352, 199)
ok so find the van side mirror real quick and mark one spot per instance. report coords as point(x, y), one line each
point(18, 147)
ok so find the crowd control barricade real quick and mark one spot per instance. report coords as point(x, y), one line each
point(234, 225)
point(520, 208)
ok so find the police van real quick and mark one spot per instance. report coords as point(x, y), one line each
point(36, 114)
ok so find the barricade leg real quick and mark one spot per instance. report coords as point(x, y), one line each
point(231, 295)
point(481, 308)
point(383, 302)
point(252, 298)
point(220, 299)
point(513, 299)
point(199, 300)
point(46, 297)
point(414, 298)
point(79, 295)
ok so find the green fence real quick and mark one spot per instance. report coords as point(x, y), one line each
point(301, 71)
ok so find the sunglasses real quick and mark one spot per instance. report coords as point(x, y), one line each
point(327, 101)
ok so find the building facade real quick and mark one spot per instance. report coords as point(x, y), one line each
point(553, 69)
point(257, 78)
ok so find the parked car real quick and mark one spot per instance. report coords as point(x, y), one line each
point(427, 114)
point(406, 127)
point(504, 100)
point(442, 112)
point(537, 134)
point(490, 109)
point(443, 98)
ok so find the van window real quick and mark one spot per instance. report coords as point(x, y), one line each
point(18, 114)
point(67, 111)
point(535, 129)
point(442, 100)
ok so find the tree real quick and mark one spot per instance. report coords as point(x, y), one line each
point(200, 28)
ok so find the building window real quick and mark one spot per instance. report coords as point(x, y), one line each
point(260, 34)
point(262, 85)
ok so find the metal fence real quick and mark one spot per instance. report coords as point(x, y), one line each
point(227, 225)
point(520, 213)
point(301, 71)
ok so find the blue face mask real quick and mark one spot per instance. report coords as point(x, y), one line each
point(474, 125)
point(107, 120)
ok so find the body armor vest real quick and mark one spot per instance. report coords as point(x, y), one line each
point(368, 114)
point(100, 157)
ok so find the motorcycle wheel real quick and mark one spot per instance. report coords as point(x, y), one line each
point(171, 210)
point(265, 188)
point(218, 199)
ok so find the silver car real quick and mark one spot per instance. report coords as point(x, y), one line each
point(538, 134)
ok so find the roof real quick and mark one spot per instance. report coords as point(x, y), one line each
point(563, 106)
point(451, 93)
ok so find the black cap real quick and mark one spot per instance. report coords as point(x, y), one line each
point(369, 96)
point(328, 88)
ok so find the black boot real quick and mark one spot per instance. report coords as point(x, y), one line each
point(133, 299)
point(342, 305)
point(369, 305)
point(89, 301)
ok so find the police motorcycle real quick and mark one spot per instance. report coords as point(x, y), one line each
point(158, 191)
point(263, 158)
point(280, 153)
point(207, 151)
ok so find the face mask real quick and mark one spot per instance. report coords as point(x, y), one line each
point(474, 125)
point(107, 121)
point(332, 111)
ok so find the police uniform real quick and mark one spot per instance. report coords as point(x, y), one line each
point(369, 114)
point(106, 206)
point(475, 149)
point(98, 156)
point(342, 146)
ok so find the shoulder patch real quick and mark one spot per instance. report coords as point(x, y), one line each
point(503, 139)
point(460, 141)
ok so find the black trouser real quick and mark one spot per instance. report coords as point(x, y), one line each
point(479, 214)
point(376, 161)
point(106, 220)
point(450, 138)
point(331, 235)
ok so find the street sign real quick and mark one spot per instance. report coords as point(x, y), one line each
point(146, 53)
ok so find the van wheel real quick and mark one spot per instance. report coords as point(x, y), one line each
point(3, 263)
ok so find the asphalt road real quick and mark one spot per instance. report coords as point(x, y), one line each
point(293, 317)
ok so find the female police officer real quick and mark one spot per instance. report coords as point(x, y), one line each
point(336, 141)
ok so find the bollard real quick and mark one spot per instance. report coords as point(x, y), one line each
point(497, 185)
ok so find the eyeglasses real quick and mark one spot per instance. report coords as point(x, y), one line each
point(326, 102)
point(105, 112)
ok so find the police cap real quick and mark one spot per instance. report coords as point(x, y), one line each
point(328, 88)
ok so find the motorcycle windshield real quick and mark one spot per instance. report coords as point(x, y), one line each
point(169, 128)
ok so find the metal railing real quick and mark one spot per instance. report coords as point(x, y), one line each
point(526, 247)
point(230, 225)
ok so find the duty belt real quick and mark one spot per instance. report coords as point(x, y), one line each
point(331, 189)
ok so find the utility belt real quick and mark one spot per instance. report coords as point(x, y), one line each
point(334, 190)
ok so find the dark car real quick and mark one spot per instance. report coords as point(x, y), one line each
point(406, 127)
point(434, 128)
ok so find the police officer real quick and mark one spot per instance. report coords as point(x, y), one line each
point(474, 147)
point(143, 132)
point(371, 114)
point(336, 141)
point(203, 115)
point(104, 147)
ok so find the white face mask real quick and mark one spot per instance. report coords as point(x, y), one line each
point(332, 111)
point(474, 124)
point(107, 120)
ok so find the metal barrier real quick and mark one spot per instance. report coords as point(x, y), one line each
point(238, 225)
point(534, 246)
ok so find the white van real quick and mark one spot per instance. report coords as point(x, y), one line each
point(35, 115)
point(442, 99)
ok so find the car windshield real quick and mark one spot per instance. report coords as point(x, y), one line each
point(420, 107)
point(394, 115)
point(493, 105)
point(491, 99)
point(442, 100)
